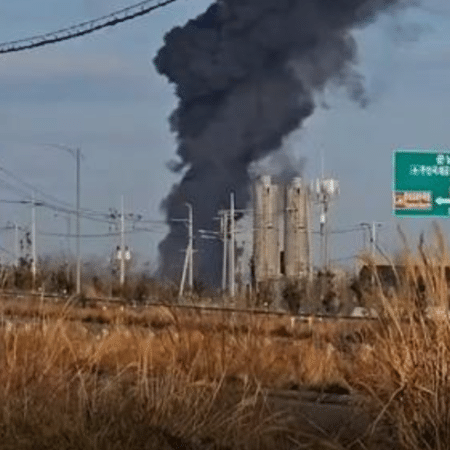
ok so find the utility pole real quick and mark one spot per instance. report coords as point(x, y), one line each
point(232, 246)
point(16, 244)
point(78, 282)
point(309, 236)
point(33, 242)
point(122, 244)
point(323, 235)
point(372, 227)
point(224, 220)
point(191, 247)
point(326, 190)
point(77, 155)
point(188, 259)
point(373, 237)
point(68, 257)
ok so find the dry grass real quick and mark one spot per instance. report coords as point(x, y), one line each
point(89, 378)
point(406, 370)
point(62, 387)
point(199, 380)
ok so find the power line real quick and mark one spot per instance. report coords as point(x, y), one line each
point(13, 188)
point(84, 28)
point(348, 230)
point(3, 249)
point(62, 206)
point(33, 188)
point(345, 258)
point(100, 235)
point(86, 213)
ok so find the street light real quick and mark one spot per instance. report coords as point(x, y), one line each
point(77, 155)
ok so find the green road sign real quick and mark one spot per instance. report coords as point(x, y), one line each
point(421, 184)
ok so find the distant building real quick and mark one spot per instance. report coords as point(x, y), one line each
point(391, 277)
point(281, 230)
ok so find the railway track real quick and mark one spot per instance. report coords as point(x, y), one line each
point(101, 302)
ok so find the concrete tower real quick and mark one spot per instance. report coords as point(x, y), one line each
point(296, 229)
point(266, 243)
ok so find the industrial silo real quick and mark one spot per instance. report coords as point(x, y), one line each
point(266, 242)
point(296, 230)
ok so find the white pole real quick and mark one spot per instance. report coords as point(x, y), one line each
point(188, 259)
point(191, 247)
point(232, 245)
point(33, 242)
point(224, 218)
point(309, 236)
point(183, 277)
point(16, 244)
point(68, 257)
point(78, 281)
point(122, 244)
point(374, 236)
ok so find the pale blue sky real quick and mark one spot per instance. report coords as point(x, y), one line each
point(101, 92)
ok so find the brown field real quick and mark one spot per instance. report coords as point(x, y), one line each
point(154, 378)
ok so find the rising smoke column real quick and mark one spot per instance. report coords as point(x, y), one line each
point(245, 73)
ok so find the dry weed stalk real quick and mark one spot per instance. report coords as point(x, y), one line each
point(61, 388)
point(407, 372)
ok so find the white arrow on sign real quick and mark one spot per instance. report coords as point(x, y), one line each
point(443, 201)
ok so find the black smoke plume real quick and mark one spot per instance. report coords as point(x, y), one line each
point(245, 73)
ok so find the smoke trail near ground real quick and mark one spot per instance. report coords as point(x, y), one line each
point(245, 73)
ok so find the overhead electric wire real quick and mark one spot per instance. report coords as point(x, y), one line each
point(100, 235)
point(3, 249)
point(84, 28)
point(65, 207)
point(345, 258)
point(32, 188)
point(348, 230)
point(62, 206)
point(13, 188)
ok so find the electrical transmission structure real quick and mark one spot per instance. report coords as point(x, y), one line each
point(84, 28)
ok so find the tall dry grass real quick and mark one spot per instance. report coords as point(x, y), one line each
point(62, 387)
point(406, 370)
point(190, 384)
point(200, 382)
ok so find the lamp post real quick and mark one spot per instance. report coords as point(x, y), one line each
point(76, 153)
